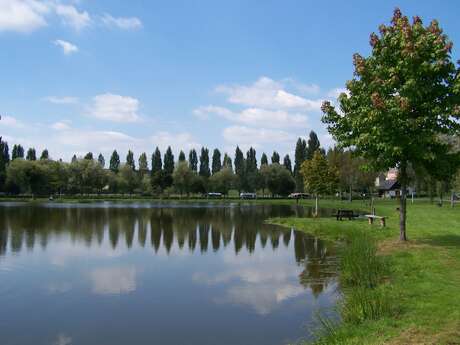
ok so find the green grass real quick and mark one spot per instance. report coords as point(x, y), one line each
point(417, 300)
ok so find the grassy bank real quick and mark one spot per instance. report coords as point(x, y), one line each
point(418, 283)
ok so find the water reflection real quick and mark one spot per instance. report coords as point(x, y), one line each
point(168, 262)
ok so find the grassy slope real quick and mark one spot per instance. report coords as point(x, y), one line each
point(425, 277)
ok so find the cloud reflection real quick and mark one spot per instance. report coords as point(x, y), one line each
point(113, 280)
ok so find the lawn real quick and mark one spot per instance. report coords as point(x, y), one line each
point(424, 278)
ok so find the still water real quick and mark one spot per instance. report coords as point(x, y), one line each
point(182, 274)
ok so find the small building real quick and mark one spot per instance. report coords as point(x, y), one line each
point(389, 189)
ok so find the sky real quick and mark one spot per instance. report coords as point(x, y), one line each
point(79, 76)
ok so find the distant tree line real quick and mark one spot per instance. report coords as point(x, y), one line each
point(315, 171)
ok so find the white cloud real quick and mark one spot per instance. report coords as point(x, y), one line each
point(63, 339)
point(10, 121)
point(67, 47)
point(115, 108)
point(124, 23)
point(72, 17)
point(22, 16)
point(255, 116)
point(335, 93)
point(62, 100)
point(267, 93)
point(60, 126)
point(114, 280)
point(178, 141)
point(246, 136)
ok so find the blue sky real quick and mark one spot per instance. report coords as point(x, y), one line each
point(81, 76)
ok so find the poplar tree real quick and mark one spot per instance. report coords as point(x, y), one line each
point(181, 156)
point(287, 163)
point(101, 160)
point(18, 152)
point(31, 155)
point(130, 160)
point(204, 163)
point(143, 165)
point(216, 161)
point(89, 156)
point(193, 160)
point(264, 159)
point(115, 162)
point(45, 155)
point(239, 168)
point(313, 145)
point(275, 157)
point(157, 164)
point(168, 161)
point(299, 157)
point(227, 162)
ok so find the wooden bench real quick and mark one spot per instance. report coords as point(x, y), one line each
point(372, 217)
point(345, 214)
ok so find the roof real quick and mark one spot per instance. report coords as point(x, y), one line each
point(389, 185)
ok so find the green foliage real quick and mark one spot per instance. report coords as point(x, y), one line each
point(216, 161)
point(45, 155)
point(143, 165)
point(277, 179)
point(193, 160)
point(17, 152)
point(89, 156)
point(157, 164)
point(130, 160)
point(4, 160)
point(101, 160)
point(287, 163)
point(227, 162)
point(204, 163)
point(275, 158)
point(263, 159)
point(222, 181)
point(319, 177)
point(181, 156)
point(31, 155)
point(182, 177)
point(299, 157)
point(114, 162)
point(313, 145)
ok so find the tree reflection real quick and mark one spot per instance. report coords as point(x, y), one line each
point(24, 227)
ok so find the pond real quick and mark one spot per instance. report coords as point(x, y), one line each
point(151, 273)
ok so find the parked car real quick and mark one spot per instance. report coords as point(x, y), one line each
point(214, 195)
point(248, 195)
point(299, 196)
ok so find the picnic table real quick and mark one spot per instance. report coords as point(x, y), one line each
point(345, 214)
point(372, 217)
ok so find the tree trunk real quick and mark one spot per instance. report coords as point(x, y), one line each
point(402, 203)
point(316, 206)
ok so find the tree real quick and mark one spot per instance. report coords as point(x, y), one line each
point(240, 168)
point(401, 99)
point(279, 180)
point(287, 163)
point(130, 160)
point(157, 164)
point(89, 156)
point(313, 145)
point(31, 155)
point(45, 155)
point(127, 178)
point(251, 172)
point(114, 162)
point(74, 159)
point(216, 161)
point(181, 156)
point(193, 160)
point(275, 157)
point(227, 162)
point(263, 159)
point(204, 163)
point(222, 181)
point(299, 157)
point(319, 177)
point(18, 152)
point(182, 177)
point(168, 161)
point(143, 165)
point(4, 160)
point(101, 160)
